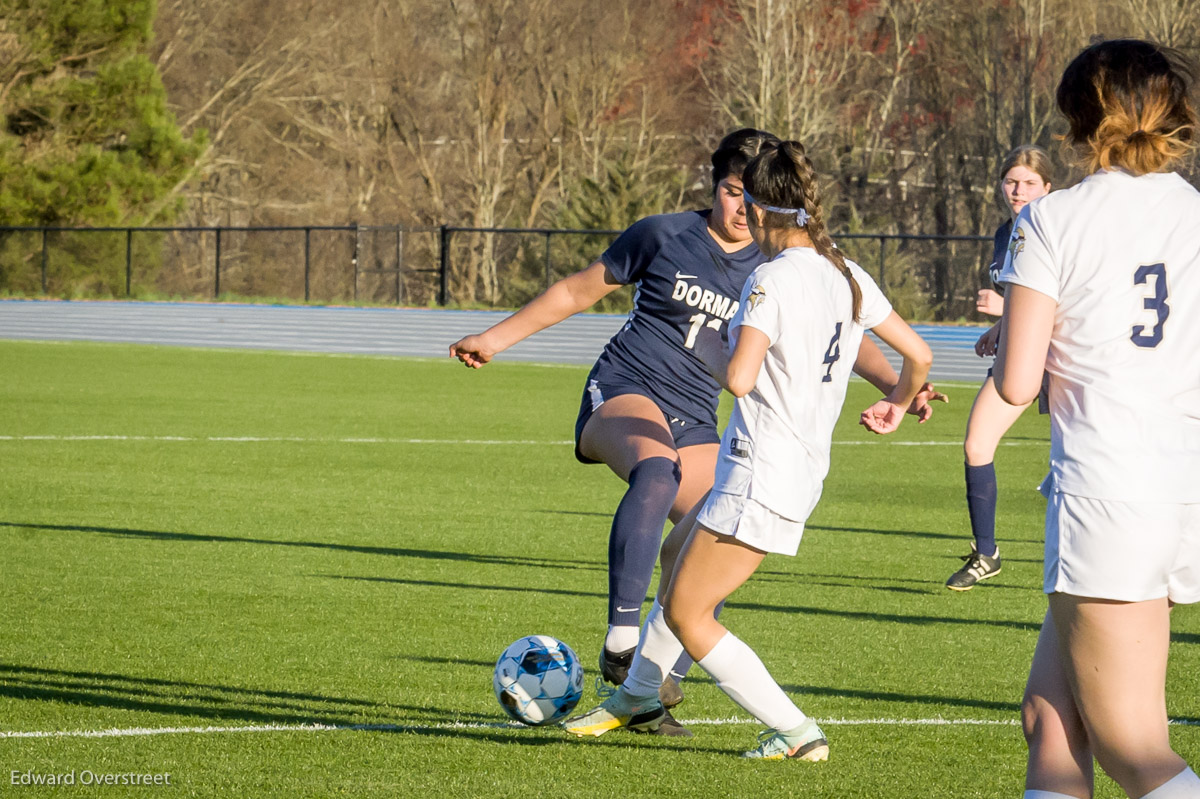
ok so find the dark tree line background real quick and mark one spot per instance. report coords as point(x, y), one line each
point(547, 113)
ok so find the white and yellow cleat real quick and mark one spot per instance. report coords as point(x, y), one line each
point(806, 742)
point(619, 709)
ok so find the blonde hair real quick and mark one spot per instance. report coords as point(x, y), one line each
point(1031, 157)
point(783, 176)
point(1127, 102)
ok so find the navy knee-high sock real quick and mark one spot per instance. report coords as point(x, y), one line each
point(637, 531)
point(981, 504)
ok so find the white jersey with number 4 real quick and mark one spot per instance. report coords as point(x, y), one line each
point(780, 432)
point(1121, 256)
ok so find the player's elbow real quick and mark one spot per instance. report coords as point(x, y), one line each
point(740, 385)
point(1015, 395)
point(921, 358)
point(1017, 391)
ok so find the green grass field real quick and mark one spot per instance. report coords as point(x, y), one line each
point(306, 567)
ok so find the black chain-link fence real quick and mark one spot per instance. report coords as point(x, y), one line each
point(927, 277)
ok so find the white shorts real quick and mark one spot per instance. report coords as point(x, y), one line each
point(1123, 551)
point(751, 522)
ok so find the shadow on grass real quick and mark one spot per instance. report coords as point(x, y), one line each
point(520, 589)
point(398, 552)
point(891, 696)
point(888, 618)
point(206, 700)
point(876, 531)
point(608, 515)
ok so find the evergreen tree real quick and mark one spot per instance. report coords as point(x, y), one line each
point(85, 134)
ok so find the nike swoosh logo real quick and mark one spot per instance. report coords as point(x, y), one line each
point(626, 610)
point(682, 276)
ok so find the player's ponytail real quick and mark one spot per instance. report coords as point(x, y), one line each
point(784, 177)
point(1127, 103)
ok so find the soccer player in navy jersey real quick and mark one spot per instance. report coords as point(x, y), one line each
point(1024, 177)
point(649, 408)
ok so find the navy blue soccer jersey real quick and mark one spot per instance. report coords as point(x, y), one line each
point(684, 281)
point(999, 250)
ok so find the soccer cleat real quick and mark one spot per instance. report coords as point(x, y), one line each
point(618, 709)
point(670, 727)
point(614, 666)
point(669, 693)
point(807, 742)
point(977, 567)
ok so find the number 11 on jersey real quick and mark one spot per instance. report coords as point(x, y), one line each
point(694, 330)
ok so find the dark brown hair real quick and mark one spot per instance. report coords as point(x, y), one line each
point(1128, 105)
point(783, 176)
point(736, 150)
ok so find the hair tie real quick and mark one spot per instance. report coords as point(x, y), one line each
point(801, 215)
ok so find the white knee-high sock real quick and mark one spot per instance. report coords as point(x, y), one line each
point(740, 674)
point(656, 654)
point(1184, 785)
point(1047, 795)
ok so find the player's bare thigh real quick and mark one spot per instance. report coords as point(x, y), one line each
point(629, 428)
point(697, 464)
point(626, 430)
point(1115, 656)
point(709, 568)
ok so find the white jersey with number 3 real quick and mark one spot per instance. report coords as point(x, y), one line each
point(1121, 256)
point(783, 427)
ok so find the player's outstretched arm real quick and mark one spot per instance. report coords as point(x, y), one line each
point(1024, 339)
point(568, 296)
point(871, 365)
point(885, 415)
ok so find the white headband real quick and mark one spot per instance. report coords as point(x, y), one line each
point(802, 216)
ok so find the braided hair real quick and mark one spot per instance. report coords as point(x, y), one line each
point(783, 176)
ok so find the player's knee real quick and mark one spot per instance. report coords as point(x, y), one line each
point(1048, 728)
point(978, 451)
point(1033, 710)
point(670, 617)
point(657, 476)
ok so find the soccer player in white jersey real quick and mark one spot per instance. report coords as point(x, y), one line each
point(1104, 293)
point(794, 340)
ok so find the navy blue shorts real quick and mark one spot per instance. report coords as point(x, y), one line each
point(686, 432)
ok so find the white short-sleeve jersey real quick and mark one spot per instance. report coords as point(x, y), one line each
point(1121, 256)
point(782, 429)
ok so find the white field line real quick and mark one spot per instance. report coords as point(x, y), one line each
point(129, 732)
point(440, 441)
point(141, 731)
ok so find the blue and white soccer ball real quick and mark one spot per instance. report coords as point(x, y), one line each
point(538, 680)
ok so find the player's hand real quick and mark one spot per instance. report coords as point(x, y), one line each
point(473, 351)
point(883, 417)
point(920, 406)
point(989, 302)
point(987, 343)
